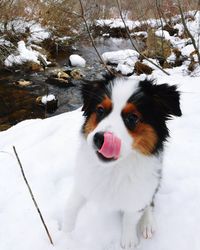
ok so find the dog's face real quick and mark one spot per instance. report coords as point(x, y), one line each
point(126, 115)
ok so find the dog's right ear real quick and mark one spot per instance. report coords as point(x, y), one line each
point(92, 93)
point(89, 92)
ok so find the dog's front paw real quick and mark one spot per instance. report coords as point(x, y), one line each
point(129, 241)
point(147, 225)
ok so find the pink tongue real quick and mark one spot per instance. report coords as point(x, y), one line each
point(111, 146)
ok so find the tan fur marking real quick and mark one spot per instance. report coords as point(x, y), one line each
point(91, 124)
point(106, 103)
point(92, 121)
point(145, 138)
point(131, 108)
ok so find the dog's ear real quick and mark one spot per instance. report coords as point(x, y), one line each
point(164, 96)
point(89, 93)
point(93, 91)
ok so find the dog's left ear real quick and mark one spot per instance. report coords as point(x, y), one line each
point(166, 97)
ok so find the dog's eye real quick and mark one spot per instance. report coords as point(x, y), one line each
point(131, 120)
point(100, 111)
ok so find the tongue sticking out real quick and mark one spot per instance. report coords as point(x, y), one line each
point(111, 146)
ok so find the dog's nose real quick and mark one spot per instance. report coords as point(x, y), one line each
point(98, 139)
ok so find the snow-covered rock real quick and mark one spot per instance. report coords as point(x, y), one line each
point(129, 56)
point(124, 69)
point(23, 55)
point(47, 98)
point(77, 61)
point(163, 33)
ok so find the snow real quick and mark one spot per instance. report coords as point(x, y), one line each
point(187, 50)
point(5, 42)
point(117, 23)
point(163, 33)
point(34, 28)
point(124, 69)
point(47, 149)
point(121, 56)
point(47, 98)
point(124, 59)
point(24, 54)
point(77, 61)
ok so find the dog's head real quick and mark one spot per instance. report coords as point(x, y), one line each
point(126, 115)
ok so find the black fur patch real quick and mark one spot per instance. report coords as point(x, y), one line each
point(93, 93)
point(157, 103)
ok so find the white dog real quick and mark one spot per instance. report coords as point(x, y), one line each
point(119, 163)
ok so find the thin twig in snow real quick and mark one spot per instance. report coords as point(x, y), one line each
point(32, 196)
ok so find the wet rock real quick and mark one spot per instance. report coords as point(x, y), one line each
point(193, 61)
point(23, 83)
point(32, 66)
point(63, 75)
point(142, 68)
point(48, 102)
point(76, 74)
point(59, 81)
point(176, 59)
point(172, 31)
point(4, 127)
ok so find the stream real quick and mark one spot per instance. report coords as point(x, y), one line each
point(18, 103)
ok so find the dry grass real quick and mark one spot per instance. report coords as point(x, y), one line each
point(64, 16)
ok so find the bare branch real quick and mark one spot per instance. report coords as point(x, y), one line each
point(131, 40)
point(91, 37)
point(187, 30)
point(32, 196)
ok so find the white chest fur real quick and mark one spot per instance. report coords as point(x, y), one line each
point(127, 185)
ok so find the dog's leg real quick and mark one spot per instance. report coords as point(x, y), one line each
point(129, 239)
point(147, 223)
point(74, 203)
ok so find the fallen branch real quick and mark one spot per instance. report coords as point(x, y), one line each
point(32, 196)
point(131, 40)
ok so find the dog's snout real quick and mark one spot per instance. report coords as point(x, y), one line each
point(98, 139)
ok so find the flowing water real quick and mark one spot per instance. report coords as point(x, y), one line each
point(19, 103)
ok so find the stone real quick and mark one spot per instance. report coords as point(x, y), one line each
point(23, 83)
point(77, 61)
point(76, 74)
point(63, 75)
point(142, 68)
point(49, 104)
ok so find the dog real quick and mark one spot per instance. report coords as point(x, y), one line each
point(119, 163)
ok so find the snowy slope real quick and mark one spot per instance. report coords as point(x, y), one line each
point(47, 149)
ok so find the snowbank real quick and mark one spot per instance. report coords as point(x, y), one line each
point(47, 149)
point(23, 55)
point(124, 59)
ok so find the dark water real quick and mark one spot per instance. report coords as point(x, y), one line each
point(19, 103)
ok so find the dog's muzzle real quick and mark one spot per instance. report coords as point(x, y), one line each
point(108, 145)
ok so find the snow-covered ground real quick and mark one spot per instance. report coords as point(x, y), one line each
point(47, 149)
